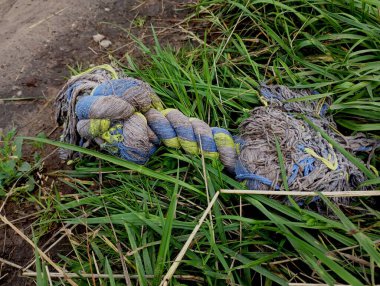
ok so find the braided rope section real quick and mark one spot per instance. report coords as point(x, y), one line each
point(126, 118)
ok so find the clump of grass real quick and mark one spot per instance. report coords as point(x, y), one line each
point(14, 171)
point(330, 46)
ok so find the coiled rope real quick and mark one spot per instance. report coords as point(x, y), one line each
point(126, 118)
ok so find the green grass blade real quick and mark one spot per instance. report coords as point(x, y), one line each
point(282, 164)
point(365, 242)
point(163, 251)
point(116, 161)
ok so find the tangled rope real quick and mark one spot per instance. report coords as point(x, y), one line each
point(126, 118)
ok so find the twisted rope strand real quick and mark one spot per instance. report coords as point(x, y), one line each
point(125, 117)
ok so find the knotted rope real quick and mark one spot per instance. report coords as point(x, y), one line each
point(126, 118)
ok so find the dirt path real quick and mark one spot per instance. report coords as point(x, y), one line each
point(38, 40)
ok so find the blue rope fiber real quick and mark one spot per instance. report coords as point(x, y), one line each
point(133, 154)
point(83, 106)
point(163, 129)
point(253, 180)
point(116, 87)
point(306, 164)
point(186, 133)
point(72, 88)
point(128, 153)
point(364, 149)
point(207, 143)
point(216, 130)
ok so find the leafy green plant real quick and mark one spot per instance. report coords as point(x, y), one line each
point(139, 21)
point(12, 167)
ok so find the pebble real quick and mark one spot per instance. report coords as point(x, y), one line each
point(105, 43)
point(98, 37)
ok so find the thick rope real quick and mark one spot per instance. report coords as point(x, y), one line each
point(125, 117)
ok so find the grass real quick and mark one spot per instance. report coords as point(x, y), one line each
point(124, 222)
point(330, 46)
point(152, 219)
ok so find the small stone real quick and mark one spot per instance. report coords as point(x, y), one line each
point(98, 37)
point(107, 9)
point(19, 93)
point(105, 43)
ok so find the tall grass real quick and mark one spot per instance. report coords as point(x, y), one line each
point(330, 46)
point(142, 216)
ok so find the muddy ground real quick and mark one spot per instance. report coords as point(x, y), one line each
point(39, 39)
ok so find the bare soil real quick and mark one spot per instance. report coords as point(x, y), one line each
point(39, 39)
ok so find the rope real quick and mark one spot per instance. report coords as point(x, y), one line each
point(126, 118)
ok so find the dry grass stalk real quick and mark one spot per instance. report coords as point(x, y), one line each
point(10, 263)
point(107, 276)
point(303, 194)
point(182, 253)
point(40, 252)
